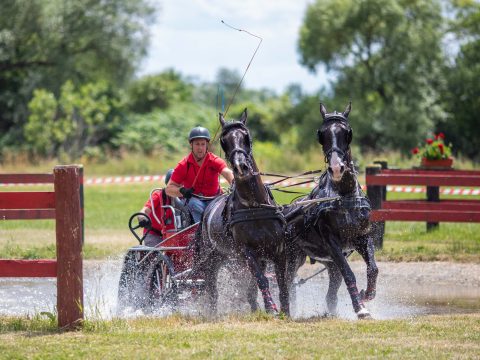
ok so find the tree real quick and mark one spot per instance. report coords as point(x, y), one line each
point(228, 81)
point(44, 43)
point(158, 92)
point(388, 59)
point(463, 74)
point(77, 122)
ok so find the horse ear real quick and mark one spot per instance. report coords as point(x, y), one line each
point(347, 109)
point(244, 116)
point(221, 119)
point(323, 110)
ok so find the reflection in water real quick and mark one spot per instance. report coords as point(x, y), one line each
point(31, 296)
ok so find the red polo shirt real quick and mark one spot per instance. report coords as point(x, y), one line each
point(207, 183)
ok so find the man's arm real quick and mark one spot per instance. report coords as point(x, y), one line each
point(142, 220)
point(173, 189)
point(146, 210)
point(228, 175)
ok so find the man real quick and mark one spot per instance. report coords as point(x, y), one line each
point(198, 173)
point(155, 231)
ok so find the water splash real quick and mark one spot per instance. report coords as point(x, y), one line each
point(20, 296)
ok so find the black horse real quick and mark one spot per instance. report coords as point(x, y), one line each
point(247, 224)
point(336, 228)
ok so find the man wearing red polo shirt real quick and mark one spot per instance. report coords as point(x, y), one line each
point(198, 173)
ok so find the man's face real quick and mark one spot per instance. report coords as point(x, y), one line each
point(199, 148)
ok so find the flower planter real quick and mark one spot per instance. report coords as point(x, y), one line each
point(437, 164)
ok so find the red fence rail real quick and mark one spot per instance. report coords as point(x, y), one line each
point(65, 205)
point(431, 210)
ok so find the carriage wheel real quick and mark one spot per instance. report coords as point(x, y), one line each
point(162, 288)
point(125, 284)
point(131, 287)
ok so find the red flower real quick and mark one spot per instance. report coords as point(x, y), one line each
point(440, 146)
point(429, 141)
point(441, 136)
point(415, 150)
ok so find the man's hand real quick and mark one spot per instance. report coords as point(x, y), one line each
point(186, 192)
point(143, 221)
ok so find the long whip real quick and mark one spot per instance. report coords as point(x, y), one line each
point(244, 73)
point(248, 66)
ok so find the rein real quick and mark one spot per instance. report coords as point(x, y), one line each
point(285, 177)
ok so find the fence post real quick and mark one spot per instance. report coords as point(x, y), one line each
point(376, 193)
point(433, 194)
point(68, 182)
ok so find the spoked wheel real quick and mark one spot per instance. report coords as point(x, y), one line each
point(132, 285)
point(161, 286)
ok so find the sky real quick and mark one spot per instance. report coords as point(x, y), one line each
point(189, 37)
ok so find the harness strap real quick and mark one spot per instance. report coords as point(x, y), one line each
point(252, 214)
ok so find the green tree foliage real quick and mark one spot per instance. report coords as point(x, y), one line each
point(262, 117)
point(388, 58)
point(165, 130)
point(158, 92)
point(44, 43)
point(303, 119)
point(229, 80)
point(78, 122)
point(463, 95)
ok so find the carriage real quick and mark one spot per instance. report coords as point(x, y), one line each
point(331, 222)
point(162, 275)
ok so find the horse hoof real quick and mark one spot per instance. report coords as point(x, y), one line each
point(329, 315)
point(272, 311)
point(364, 296)
point(363, 314)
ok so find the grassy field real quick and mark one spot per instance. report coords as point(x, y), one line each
point(257, 336)
point(108, 208)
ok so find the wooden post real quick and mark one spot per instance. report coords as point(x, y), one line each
point(384, 165)
point(433, 194)
point(376, 194)
point(69, 231)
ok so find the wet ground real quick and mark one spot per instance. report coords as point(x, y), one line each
point(404, 290)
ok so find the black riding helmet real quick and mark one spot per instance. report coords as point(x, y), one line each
point(199, 132)
point(168, 175)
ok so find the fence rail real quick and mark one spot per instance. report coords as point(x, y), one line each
point(431, 210)
point(65, 205)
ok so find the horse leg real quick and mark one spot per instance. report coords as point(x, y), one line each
point(283, 284)
point(252, 292)
point(335, 280)
point(211, 273)
point(348, 275)
point(262, 281)
point(368, 254)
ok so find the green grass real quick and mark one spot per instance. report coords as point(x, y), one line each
point(108, 208)
point(253, 336)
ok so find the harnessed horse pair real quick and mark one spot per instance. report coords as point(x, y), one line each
point(248, 224)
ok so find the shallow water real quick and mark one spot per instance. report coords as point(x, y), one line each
point(395, 299)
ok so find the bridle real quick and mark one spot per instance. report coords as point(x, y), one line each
point(344, 155)
point(248, 153)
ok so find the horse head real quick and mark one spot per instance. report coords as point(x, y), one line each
point(237, 145)
point(335, 136)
